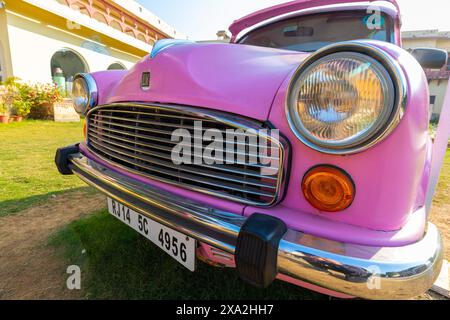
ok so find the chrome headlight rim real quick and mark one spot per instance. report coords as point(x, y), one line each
point(92, 90)
point(388, 63)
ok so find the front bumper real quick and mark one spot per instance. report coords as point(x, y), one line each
point(355, 270)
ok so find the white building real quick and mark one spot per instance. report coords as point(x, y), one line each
point(39, 37)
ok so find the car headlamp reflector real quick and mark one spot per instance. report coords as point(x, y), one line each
point(84, 93)
point(341, 101)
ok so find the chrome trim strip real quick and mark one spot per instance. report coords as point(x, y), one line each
point(164, 44)
point(174, 174)
point(183, 168)
point(397, 76)
point(162, 156)
point(161, 139)
point(216, 167)
point(150, 145)
point(196, 189)
point(355, 270)
point(157, 115)
point(209, 115)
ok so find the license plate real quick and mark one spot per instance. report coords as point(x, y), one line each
point(177, 245)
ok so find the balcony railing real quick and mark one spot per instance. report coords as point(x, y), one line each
point(112, 15)
point(441, 74)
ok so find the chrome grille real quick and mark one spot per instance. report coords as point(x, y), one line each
point(137, 138)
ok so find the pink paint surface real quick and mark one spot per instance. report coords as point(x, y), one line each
point(194, 75)
point(107, 81)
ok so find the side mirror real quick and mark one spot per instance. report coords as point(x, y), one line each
point(430, 58)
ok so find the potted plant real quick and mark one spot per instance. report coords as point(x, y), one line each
point(4, 114)
point(22, 101)
point(21, 109)
point(4, 103)
point(3, 107)
point(43, 97)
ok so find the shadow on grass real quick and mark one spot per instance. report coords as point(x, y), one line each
point(118, 263)
point(9, 207)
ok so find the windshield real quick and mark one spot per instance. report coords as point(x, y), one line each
point(310, 33)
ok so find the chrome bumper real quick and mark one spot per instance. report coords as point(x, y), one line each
point(355, 270)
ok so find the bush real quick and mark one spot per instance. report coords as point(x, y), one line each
point(434, 120)
point(21, 108)
point(3, 109)
point(23, 99)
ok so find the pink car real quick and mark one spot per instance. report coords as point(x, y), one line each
point(299, 151)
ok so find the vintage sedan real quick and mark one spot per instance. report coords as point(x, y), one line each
point(299, 151)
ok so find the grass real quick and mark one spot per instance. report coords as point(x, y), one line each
point(118, 263)
point(28, 175)
point(442, 195)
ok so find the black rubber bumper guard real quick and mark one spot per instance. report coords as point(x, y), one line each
point(62, 158)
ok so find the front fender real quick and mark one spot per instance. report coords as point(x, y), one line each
point(388, 175)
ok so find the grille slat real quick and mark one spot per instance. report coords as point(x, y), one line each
point(142, 155)
point(153, 123)
point(165, 132)
point(215, 167)
point(126, 157)
point(168, 141)
point(174, 116)
point(169, 149)
point(137, 138)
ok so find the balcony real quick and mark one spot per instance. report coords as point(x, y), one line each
point(126, 21)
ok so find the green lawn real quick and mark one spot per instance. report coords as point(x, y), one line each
point(27, 171)
point(118, 263)
point(442, 195)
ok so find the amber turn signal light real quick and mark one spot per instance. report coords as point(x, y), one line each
point(85, 130)
point(328, 188)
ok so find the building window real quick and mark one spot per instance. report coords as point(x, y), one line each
point(117, 66)
point(65, 64)
point(432, 100)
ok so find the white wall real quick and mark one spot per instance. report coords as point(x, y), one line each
point(438, 88)
point(2, 64)
point(32, 45)
point(4, 47)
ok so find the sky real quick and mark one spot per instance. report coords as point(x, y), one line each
point(201, 19)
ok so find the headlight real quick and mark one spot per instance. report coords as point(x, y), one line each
point(84, 93)
point(344, 102)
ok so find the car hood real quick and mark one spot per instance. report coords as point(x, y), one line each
point(233, 78)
